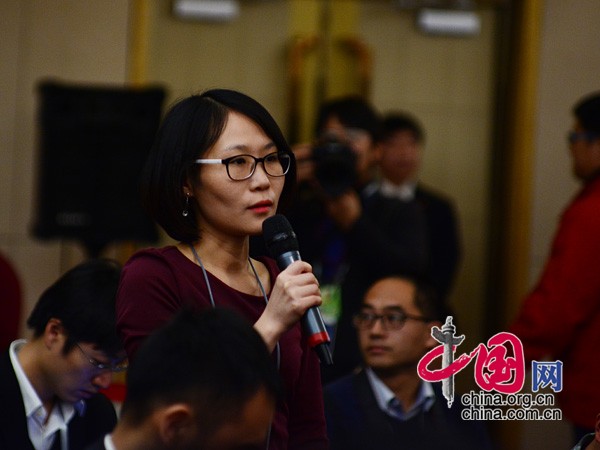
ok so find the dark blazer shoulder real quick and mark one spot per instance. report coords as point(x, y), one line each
point(340, 385)
point(354, 420)
point(99, 417)
point(465, 434)
point(434, 198)
point(13, 423)
point(350, 389)
point(97, 445)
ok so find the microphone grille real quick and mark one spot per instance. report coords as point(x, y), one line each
point(279, 235)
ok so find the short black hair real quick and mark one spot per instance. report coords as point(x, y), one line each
point(587, 111)
point(352, 111)
point(395, 122)
point(83, 299)
point(212, 359)
point(426, 298)
point(189, 129)
point(428, 301)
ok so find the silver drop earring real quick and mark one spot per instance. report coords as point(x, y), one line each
point(186, 211)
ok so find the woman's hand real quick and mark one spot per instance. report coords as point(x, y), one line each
point(295, 290)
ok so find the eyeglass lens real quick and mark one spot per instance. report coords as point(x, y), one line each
point(392, 320)
point(243, 166)
point(119, 366)
point(575, 136)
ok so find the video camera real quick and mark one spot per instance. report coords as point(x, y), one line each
point(335, 166)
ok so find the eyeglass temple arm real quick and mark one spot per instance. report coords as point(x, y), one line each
point(209, 161)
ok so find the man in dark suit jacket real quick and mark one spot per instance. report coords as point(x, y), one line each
point(386, 405)
point(49, 385)
point(204, 380)
point(400, 155)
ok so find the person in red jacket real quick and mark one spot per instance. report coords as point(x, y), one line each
point(10, 301)
point(560, 318)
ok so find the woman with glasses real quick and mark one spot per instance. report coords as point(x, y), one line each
point(218, 168)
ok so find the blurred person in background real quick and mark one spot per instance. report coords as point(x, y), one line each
point(348, 231)
point(401, 147)
point(560, 318)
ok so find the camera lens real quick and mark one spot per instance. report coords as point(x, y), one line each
point(335, 167)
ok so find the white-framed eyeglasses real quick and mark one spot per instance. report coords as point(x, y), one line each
point(242, 167)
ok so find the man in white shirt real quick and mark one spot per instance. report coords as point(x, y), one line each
point(49, 385)
point(203, 381)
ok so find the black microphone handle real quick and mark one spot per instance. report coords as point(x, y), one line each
point(312, 321)
point(286, 259)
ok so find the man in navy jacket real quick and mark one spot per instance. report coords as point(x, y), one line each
point(386, 405)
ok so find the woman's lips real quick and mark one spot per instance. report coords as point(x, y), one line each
point(262, 207)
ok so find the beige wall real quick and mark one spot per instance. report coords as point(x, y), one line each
point(447, 82)
point(247, 54)
point(66, 39)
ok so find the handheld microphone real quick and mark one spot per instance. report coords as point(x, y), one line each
point(282, 244)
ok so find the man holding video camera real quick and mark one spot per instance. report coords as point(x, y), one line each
point(347, 231)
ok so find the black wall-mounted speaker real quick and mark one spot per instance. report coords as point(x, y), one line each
point(93, 143)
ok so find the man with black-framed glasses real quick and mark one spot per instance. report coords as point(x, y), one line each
point(386, 405)
point(49, 385)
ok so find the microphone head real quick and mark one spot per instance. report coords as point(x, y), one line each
point(279, 235)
